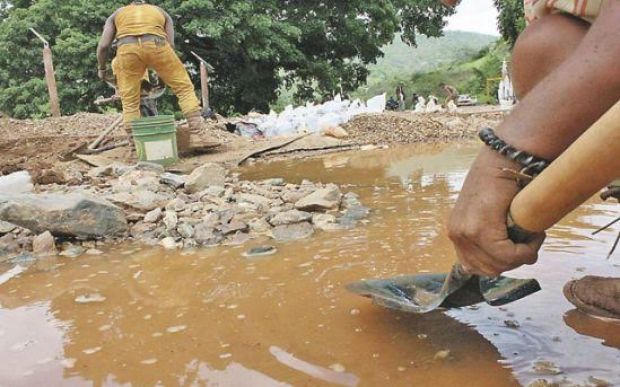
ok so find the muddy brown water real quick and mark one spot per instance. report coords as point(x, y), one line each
point(212, 317)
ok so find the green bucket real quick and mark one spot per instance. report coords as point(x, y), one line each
point(155, 139)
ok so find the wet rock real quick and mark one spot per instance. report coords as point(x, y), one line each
point(171, 220)
point(76, 215)
point(289, 217)
point(173, 180)
point(320, 200)
point(259, 226)
point(292, 232)
point(185, 230)
point(260, 251)
point(206, 235)
point(153, 216)
point(326, 222)
point(357, 212)
point(205, 176)
point(73, 251)
point(44, 245)
point(90, 298)
point(6, 227)
point(442, 355)
point(168, 243)
point(512, 324)
point(177, 205)
point(350, 199)
point(140, 200)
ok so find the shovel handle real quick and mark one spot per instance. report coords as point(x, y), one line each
point(586, 167)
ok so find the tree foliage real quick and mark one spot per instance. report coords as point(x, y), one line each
point(255, 46)
point(511, 20)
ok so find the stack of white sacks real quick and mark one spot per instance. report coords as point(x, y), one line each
point(315, 118)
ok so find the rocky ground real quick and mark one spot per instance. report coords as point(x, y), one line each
point(208, 207)
point(75, 208)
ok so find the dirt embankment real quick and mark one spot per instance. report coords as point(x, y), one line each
point(406, 127)
point(42, 146)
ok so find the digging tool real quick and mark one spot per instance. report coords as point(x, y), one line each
point(586, 167)
point(109, 130)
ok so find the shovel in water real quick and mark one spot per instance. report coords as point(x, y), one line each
point(586, 167)
point(427, 292)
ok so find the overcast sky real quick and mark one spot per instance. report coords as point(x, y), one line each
point(476, 16)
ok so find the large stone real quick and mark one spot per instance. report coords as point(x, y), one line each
point(44, 245)
point(327, 198)
point(76, 215)
point(289, 217)
point(141, 200)
point(292, 232)
point(205, 176)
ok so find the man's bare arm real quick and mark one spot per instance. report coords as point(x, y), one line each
point(107, 37)
point(169, 28)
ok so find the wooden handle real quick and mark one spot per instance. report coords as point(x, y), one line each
point(586, 167)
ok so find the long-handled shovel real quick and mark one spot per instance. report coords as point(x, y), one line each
point(586, 167)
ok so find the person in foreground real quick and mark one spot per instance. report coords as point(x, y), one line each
point(565, 69)
point(145, 39)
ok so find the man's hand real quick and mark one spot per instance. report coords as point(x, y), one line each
point(477, 224)
point(102, 74)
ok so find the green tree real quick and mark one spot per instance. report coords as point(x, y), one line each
point(255, 46)
point(511, 20)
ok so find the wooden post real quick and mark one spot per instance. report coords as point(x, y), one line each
point(50, 77)
point(204, 80)
point(204, 84)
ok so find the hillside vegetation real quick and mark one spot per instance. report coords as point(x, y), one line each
point(465, 60)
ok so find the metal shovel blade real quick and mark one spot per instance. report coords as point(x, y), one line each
point(428, 292)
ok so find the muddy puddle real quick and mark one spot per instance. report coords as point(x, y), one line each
point(212, 317)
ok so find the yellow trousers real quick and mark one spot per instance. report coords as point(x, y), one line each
point(132, 60)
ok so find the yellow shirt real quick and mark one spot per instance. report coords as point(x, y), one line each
point(140, 19)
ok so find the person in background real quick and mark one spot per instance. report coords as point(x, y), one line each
point(145, 39)
point(450, 92)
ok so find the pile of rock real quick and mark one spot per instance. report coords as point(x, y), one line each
point(209, 207)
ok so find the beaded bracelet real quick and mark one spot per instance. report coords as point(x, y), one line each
point(532, 165)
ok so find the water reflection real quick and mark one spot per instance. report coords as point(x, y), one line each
point(212, 317)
